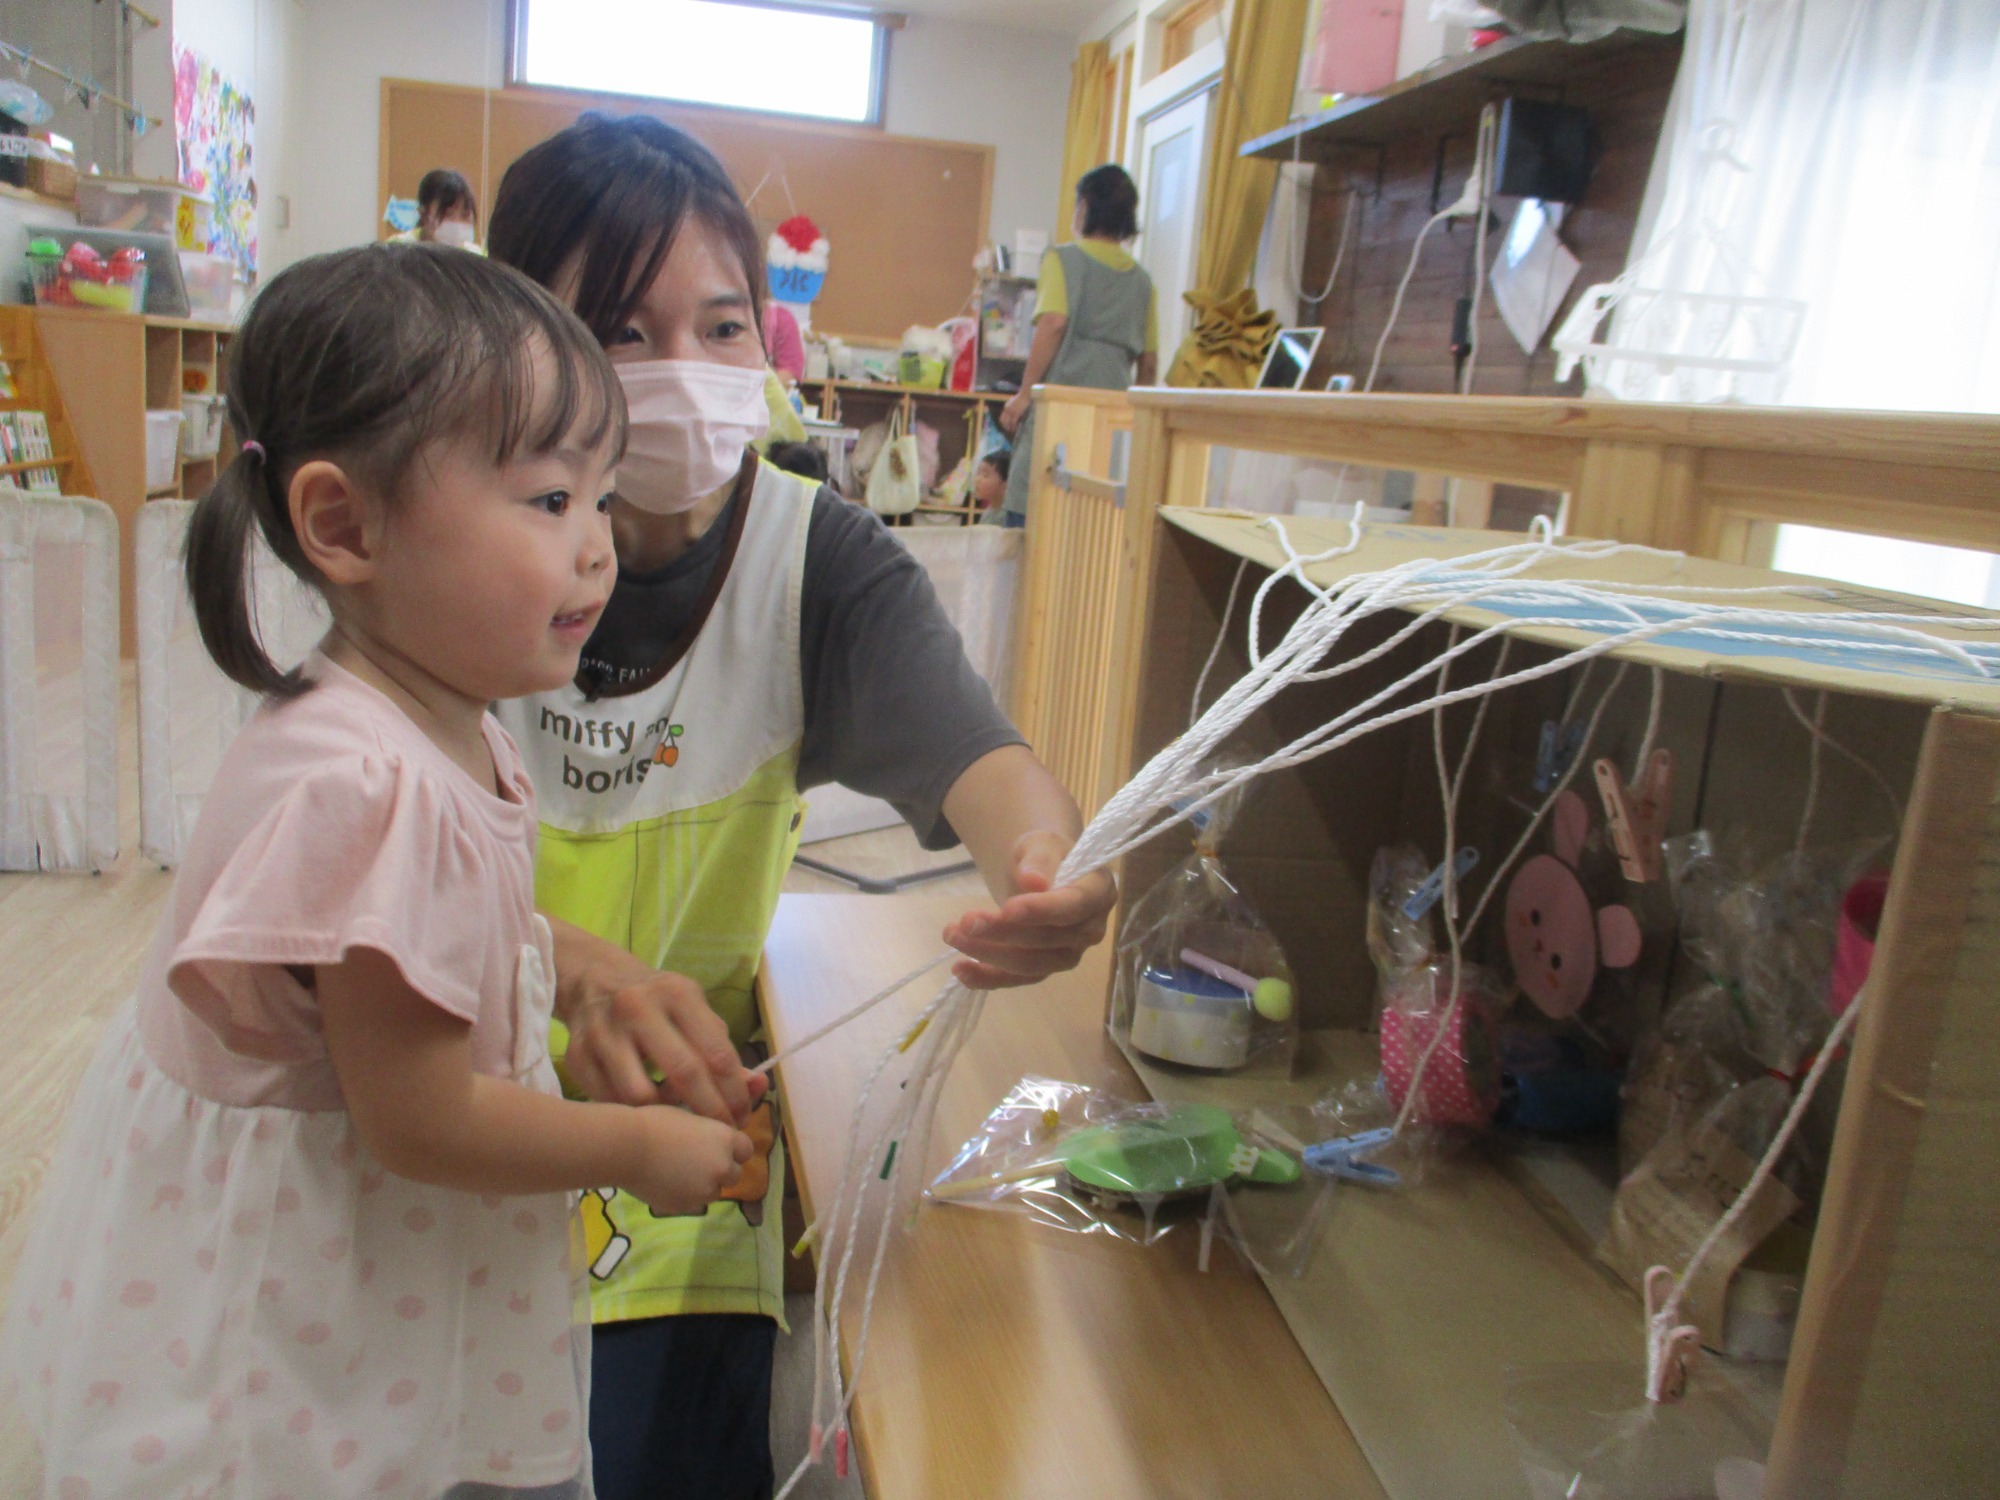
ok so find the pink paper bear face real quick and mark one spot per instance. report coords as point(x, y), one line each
point(1557, 942)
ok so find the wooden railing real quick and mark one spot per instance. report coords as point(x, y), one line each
point(1075, 582)
point(1713, 481)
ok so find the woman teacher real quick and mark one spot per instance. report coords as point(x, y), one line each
point(1096, 322)
point(764, 637)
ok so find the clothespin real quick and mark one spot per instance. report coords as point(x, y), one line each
point(1341, 1157)
point(1559, 745)
point(1637, 815)
point(1427, 895)
point(1671, 1345)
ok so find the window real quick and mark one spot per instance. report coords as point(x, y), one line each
point(1188, 30)
point(826, 64)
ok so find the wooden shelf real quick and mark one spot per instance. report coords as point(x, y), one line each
point(1446, 95)
point(29, 195)
point(918, 392)
point(36, 463)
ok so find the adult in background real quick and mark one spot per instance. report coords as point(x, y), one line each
point(1096, 322)
point(764, 636)
point(447, 212)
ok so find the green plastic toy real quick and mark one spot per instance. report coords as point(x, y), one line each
point(1188, 1149)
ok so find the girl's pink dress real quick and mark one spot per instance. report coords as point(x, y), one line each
point(224, 1294)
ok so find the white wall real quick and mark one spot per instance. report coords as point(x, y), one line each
point(947, 80)
point(345, 49)
point(1009, 89)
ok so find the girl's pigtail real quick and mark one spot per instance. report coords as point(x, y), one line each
point(219, 546)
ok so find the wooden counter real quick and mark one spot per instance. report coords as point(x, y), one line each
point(1011, 1359)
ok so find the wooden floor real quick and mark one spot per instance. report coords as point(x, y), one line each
point(70, 950)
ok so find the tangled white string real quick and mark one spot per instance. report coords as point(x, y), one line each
point(1183, 778)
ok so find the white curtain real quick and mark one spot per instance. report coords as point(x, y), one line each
point(1870, 131)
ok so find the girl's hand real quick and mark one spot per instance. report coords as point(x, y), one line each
point(1041, 929)
point(629, 1023)
point(683, 1163)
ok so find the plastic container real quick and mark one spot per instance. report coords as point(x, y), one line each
point(163, 446)
point(80, 277)
point(211, 285)
point(202, 434)
point(146, 207)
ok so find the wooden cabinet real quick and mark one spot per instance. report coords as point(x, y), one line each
point(112, 370)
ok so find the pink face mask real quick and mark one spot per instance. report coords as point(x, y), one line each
point(691, 419)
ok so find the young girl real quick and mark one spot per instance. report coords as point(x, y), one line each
point(308, 1232)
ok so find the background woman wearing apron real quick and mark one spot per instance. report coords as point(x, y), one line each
point(764, 637)
point(1095, 319)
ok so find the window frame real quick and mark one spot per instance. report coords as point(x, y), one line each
point(882, 23)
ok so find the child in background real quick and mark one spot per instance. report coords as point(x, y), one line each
point(807, 460)
point(989, 482)
point(308, 1232)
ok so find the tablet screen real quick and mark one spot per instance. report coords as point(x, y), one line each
point(1291, 356)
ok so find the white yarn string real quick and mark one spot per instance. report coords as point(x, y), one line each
point(1221, 635)
point(1665, 1333)
point(1180, 780)
point(1817, 729)
point(1652, 725)
point(862, 1009)
point(1818, 732)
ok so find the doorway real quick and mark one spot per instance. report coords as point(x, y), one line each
point(1171, 153)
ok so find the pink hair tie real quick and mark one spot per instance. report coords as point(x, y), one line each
point(254, 447)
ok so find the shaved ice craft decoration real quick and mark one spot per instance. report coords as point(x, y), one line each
point(795, 261)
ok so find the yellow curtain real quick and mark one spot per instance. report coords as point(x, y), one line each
point(1259, 75)
point(1082, 137)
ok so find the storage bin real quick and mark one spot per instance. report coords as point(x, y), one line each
point(211, 285)
point(202, 434)
point(163, 446)
point(145, 207)
point(78, 276)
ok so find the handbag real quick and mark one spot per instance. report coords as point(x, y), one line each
point(894, 483)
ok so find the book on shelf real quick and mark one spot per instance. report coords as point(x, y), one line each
point(24, 437)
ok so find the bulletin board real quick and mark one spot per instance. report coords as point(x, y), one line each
point(904, 216)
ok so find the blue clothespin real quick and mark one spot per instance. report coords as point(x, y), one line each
point(1199, 820)
point(1427, 895)
point(1558, 748)
point(1341, 1157)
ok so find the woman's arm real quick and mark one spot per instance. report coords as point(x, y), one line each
point(405, 1069)
point(1148, 371)
point(629, 1022)
point(1018, 823)
point(1049, 329)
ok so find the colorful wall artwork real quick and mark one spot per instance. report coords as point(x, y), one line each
point(213, 124)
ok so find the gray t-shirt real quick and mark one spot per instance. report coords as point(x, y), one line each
point(892, 707)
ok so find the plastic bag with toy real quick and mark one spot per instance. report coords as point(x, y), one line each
point(1435, 1040)
point(1201, 982)
point(1090, 1162)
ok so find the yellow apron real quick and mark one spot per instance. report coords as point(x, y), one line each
point(669, 817)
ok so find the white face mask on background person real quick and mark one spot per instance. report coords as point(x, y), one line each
point(691, 419)
point(454, 232)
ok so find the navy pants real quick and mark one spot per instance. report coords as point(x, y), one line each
point(681, 1407)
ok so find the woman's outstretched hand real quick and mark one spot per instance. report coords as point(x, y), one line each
point(1040, 929)
point(630, 1024)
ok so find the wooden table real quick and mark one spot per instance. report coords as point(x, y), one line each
point(1008, 1358)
